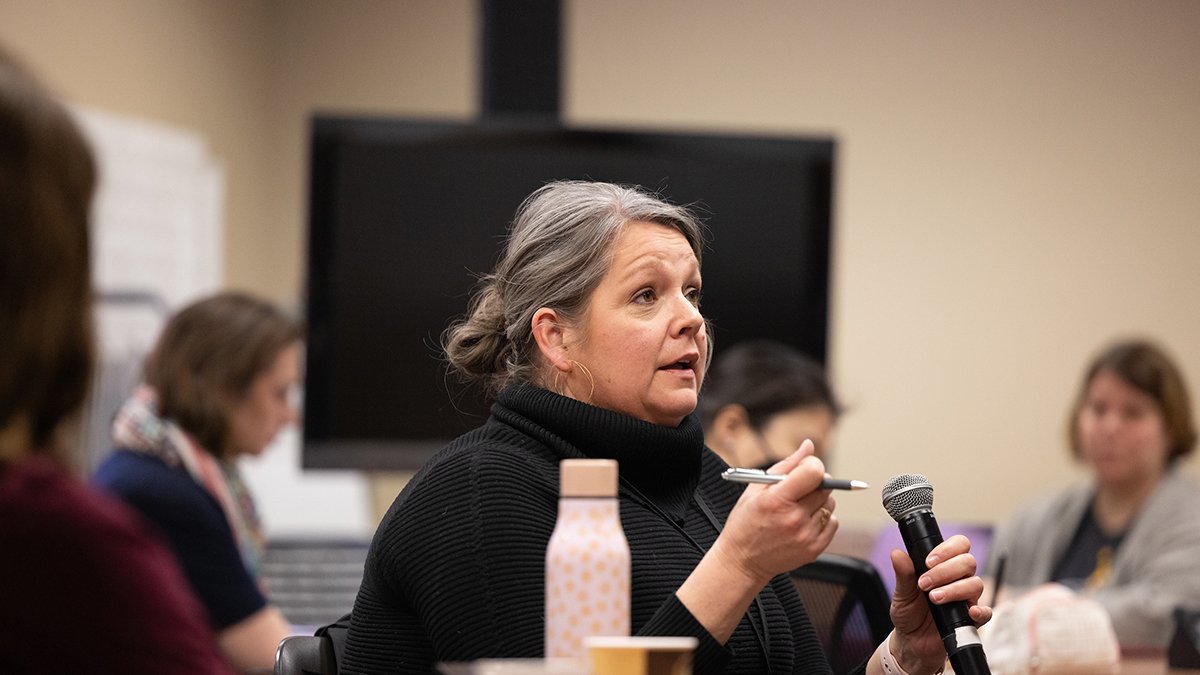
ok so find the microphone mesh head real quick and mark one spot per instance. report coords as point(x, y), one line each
point(906, 493)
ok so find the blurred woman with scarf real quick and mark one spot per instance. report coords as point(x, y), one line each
point(218, 385)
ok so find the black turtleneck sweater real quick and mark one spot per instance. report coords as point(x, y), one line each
point(456, 568)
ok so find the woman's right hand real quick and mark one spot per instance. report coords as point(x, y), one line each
point(772, 529)
point(776, 528)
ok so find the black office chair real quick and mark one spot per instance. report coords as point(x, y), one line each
point(305, 655)
point(848, 606)
point(1184, 649)
point(313, 654)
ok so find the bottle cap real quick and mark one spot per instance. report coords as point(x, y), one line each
point(588, 477)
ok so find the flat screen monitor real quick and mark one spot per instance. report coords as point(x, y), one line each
point(405, 215)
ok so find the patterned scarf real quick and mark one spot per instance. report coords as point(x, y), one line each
point(139, 428)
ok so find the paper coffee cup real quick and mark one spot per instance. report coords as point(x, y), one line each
point(640, 655)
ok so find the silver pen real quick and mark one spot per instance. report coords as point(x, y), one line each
point(760, 476)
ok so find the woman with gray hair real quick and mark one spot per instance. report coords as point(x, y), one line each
point(589, 333)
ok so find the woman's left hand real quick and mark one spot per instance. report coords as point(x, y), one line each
point(916, 643)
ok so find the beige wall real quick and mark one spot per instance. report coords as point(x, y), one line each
point(1017, 182)
point(196, 65)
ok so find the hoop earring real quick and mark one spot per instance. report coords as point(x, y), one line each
point(558, 389)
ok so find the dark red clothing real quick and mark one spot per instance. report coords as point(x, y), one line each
point(85, 587)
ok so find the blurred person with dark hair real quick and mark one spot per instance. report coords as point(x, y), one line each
point(1130, 536)
point(761, 399)
point(84, 585)
point(218, 385)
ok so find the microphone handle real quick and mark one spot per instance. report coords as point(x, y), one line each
point(921, 534)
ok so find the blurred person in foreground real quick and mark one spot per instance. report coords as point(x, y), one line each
point(218, 385)
point(1130, 536)
point(761, 400)
point(590, 335)
point(85, 587)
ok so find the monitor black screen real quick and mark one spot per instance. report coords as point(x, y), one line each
point(406, 214)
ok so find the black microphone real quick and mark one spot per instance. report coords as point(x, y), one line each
point(908, 499)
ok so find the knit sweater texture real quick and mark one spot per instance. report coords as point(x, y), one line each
point(456, 568)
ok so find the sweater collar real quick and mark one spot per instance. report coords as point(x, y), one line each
point(660, 462)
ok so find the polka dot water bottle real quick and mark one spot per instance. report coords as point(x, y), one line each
point(587, 560)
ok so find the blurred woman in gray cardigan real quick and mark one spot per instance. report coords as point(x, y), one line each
point(1130, 537)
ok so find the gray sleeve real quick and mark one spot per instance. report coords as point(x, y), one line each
point(1156, 569)
point(1032, 538)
